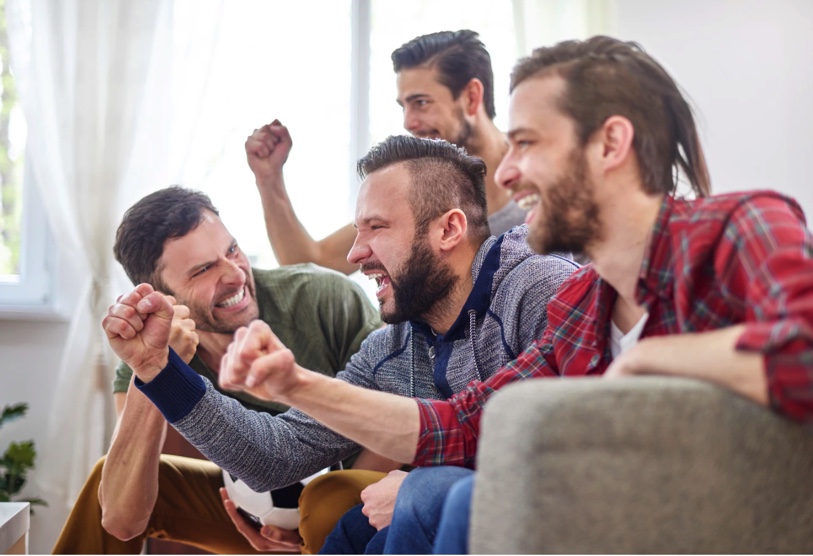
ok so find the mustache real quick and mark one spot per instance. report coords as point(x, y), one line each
point(368, 267)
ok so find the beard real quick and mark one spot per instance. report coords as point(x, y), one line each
point(422, 288)
point(568, 219)
point(465, 134)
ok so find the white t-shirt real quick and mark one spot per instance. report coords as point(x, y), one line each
point(620, 342)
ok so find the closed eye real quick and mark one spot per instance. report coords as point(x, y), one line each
point(201, 270)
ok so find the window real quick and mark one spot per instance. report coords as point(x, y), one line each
point(25, 280)
point(324, 70)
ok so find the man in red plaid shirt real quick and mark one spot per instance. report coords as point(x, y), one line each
point(715, 288)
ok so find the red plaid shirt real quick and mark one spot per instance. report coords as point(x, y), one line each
point(710, 263)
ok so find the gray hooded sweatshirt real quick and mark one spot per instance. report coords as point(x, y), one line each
point(504, 313)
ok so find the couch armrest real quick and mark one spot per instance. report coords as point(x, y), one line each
point(639, 465)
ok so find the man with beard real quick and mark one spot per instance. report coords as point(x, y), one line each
point(174, 240)
point(711, 288)
point(446, 91)
point(460, 304)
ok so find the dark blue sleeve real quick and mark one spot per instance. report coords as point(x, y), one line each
point(175, 390)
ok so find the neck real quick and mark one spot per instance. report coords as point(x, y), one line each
point(489, 143)
point(627, 221)
point(212, 347)
point(446, 311)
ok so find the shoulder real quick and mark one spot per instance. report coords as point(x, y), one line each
point(728, 207)
point(385, 343)
point(576, 287)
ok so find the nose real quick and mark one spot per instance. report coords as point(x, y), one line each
point(411, 122)
point(359, 252)
point(507, 174)
point(233, 273)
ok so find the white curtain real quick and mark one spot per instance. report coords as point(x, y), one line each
point(97, 89)
point(546, 22)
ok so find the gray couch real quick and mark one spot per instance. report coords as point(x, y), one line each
point(639, 465)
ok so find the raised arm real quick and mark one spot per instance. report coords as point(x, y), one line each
point(264, 451)
point(129, 485)
point(267, 150)
point(259, 363)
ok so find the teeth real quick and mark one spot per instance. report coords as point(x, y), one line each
point(378, 277)
point(234, 300)
point(529, 201)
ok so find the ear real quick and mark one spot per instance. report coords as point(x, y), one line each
point(615, 141)
point(472, 96)
point(452, 227)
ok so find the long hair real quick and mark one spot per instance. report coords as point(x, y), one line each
point(606, 77)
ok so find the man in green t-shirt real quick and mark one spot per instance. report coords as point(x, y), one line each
point(174, 240)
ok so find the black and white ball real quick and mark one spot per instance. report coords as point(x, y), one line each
point(279, 507)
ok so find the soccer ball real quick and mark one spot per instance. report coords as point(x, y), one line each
point(279, 507)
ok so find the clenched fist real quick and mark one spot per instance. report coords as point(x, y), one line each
point(267, 150)
point(138, 327)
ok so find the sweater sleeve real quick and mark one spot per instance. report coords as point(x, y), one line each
point(264, 451)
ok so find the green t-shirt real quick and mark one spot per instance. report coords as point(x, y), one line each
point(319, 314)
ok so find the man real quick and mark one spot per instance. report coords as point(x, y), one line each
point(716, 288)
point(174, 240)
point(446, 90)
point(459, 302)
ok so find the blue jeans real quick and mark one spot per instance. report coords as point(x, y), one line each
point(415, 521)
point(453, 530)
point(418, 509)
point(353, 534)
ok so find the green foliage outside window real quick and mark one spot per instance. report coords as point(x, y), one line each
point(10, 163)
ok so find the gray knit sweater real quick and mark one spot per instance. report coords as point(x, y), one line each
point(505, 312)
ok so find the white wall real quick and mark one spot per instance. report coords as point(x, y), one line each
point(748, 67)
point(29, 361)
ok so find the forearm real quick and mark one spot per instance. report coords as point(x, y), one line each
point(710, 356)
point(290, 240)
point(129, 484)
point(385, 423)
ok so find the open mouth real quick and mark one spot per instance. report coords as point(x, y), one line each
point(381, 279)
point(233, 300)
point(528, 202)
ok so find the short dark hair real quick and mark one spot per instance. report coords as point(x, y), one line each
point(166, 214)
point(443, 177)
point(605, 77)
point(459, 57)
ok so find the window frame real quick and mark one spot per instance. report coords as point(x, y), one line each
point(32, 296)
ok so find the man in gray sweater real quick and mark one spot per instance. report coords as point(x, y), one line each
point(460, 304)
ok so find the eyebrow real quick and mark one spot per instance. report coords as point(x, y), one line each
point(374, 218)
point(516, 131)
point(191, 272)
point(411, 98)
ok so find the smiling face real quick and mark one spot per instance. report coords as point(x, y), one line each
point(547, 171)
point(206, 271)
point(411, 278)
point(430, 110)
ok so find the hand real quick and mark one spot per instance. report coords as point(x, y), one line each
point(267, 150)
point(258, 363)
point(138, 327)
point(379, 499)
point(268, 538)
point(626, 364)
point(183, 337)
